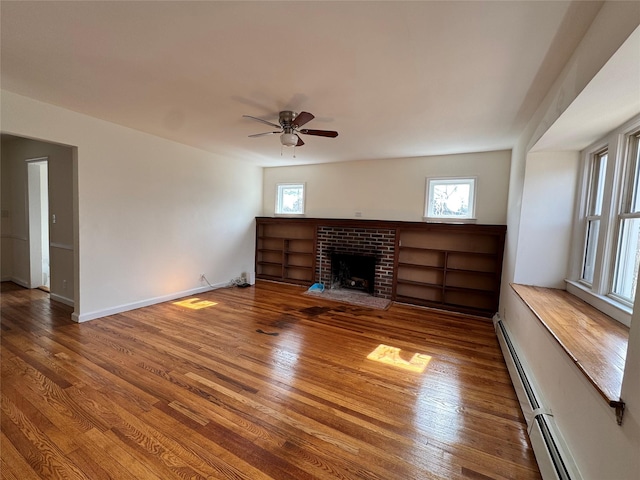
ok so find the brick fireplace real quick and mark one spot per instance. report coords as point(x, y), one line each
point(371, 242)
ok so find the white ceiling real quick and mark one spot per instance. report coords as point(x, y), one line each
point(599, 108)
point(396, 79)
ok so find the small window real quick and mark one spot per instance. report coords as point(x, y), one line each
point(450, 199)
point(290, 199)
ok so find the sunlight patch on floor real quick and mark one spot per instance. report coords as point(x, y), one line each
point(195, 303)
point(393, 356)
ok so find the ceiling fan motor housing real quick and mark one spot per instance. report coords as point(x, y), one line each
point(286, 118)
point(288, 138)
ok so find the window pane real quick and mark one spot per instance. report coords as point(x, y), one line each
point(450, 198)
point(634, 161)
point(593, 228)
point(626, 272)
point(290, 199)
point(596, 188)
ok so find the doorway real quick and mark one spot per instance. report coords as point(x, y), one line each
point(38, 200)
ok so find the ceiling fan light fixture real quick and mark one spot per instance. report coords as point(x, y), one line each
point(289, 139)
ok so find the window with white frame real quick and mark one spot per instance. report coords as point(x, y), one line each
point(450, 199)
point(290, 199)
point(597, 171)
point(610, 218)
point(627, 256)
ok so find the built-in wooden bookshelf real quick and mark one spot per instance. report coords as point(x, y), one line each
point(285, 250)
point(454, 267)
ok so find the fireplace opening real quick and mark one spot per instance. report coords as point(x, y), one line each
point(356, 272)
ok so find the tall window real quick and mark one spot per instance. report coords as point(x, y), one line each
point(595, 194)
point(605, 272)
point(290, 199)
point(627, 255)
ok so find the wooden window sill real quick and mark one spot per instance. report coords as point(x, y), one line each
point(595, 342)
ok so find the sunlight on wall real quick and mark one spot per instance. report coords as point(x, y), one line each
point(392, 356)
point(195, 303)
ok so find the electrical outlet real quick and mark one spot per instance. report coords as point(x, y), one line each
point(202, 277)
point(64, 284)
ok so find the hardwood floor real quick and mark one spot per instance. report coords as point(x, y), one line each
point(172, 392)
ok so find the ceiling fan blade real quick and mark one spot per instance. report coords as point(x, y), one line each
point(263, 134)
point(300, 142)
point(301, 119)
point(263, 121)
point(320, 133)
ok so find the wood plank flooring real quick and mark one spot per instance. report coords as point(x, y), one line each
point(172, 392)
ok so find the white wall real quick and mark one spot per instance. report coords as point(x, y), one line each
point(631, 395)
point(601, 448)
point(152, 214)
point(546, 220)
point(392, 189)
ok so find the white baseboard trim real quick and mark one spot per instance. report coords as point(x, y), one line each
point(7, 278)
point(61, 246)
point(85, 317)
point(61, 299)
point(19, 281)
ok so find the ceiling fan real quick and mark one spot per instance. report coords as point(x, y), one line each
point(289, 128)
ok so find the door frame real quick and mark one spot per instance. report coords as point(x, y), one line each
point(36, 216)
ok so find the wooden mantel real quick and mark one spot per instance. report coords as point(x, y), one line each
point(391, 224)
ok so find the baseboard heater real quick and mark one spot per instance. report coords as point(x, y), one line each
point(553, 457)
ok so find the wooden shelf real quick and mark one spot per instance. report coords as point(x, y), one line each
point(270, 277)
point(422, 284)
point(273, 237)
point(419, 249)
point(455, 252)
point(453, 288)
point(464, 264)
point(416, 265)
point(289, 245)
point(474, 272)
